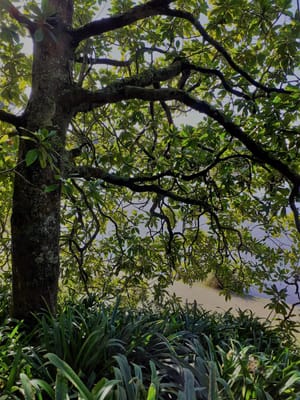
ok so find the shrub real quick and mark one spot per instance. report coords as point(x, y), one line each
point(98, 351)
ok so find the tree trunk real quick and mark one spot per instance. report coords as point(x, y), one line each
point(35, 219)
point(35, 243)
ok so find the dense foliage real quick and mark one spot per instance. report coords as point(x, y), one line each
point(96, 351)
point(165, 145)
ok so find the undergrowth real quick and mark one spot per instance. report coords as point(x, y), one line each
point(95, 351)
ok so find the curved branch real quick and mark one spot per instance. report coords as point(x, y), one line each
point(17, 15)
point(186, 66)
point(83, 100)
point(170, 174)
point(225, 84)
point(154, 76)
point(237, 132)
point(89, 173)
point(217, 160)
point(11, 118)
point(95, 28)
point(190, 17)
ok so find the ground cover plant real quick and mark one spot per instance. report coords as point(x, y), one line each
point(147, 140)
point(96, 351)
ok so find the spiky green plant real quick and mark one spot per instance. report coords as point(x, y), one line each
point(175, 352)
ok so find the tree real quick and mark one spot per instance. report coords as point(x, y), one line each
point(187, 111)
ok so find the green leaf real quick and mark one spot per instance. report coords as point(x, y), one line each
point(51, 188)
point(125, 371)
point(31, 156)
point(14, 369)
point(213, 386)
point(43, 157)
point(151, 395)
point(189, 388)
point(71, 375)
point(61, 387)
point(38, 35)
point(277, 100)
point(294, 377)
point(103, 388)
point(27, 386)
point(41, 384)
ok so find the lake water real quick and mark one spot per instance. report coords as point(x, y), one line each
point(292, 296)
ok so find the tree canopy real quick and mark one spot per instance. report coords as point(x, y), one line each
point(161, 136)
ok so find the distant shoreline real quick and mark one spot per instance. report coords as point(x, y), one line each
point(210, 299)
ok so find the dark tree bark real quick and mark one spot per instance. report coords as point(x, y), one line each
point(36, 213)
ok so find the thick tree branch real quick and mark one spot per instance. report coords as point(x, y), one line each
point(186, 66)
point(89, 173)
point(85, 100)
point(11, 118)
point(193, 20)
point(82, 100)
point(152, 77)
point(237, 132)
point(17, 15)
point(154, 7)
point(202, 173)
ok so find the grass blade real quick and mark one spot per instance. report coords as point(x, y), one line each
point(71, 375)
point(27, 386)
